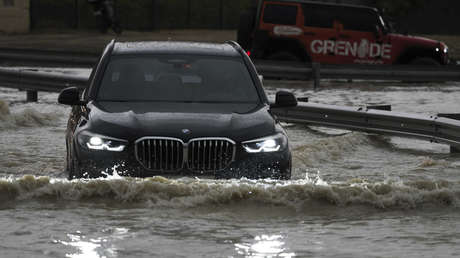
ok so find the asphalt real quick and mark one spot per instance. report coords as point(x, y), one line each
point(93, 42)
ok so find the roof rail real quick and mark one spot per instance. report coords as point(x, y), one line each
point(235, 45)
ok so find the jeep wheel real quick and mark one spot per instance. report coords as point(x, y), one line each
point(283, 56)
point(425, 61)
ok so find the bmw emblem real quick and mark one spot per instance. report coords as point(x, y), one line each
point(186, 131)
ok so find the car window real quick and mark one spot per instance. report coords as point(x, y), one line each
point(359, 20)
point(280, 14)
point(324, 16)
point(174, 78)
point(320, 16)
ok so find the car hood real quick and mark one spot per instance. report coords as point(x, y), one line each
point(415, 40)
point(131, 121)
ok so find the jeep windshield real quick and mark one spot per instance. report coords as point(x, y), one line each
point(177, 78)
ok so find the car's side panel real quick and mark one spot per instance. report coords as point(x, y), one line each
point(362, 47)
point(280, 40)
point(319, 42)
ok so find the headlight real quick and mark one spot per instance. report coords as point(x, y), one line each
point(100, 142)
point(272, 143)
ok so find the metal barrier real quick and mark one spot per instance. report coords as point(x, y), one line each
point(316, 72)
point(432, 128)
point(269, 69)
point(366, 119)
point(12, 56)
point(33, 81)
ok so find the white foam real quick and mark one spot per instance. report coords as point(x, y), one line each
point(27, 116)
point(300, 194)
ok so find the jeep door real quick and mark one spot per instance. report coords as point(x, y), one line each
point(279, 31)
point(361, 38)
point(321, 32)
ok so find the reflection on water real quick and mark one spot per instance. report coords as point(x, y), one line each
point(353, 195)
point(98, 247)
point(84, 248)
point(264, 246)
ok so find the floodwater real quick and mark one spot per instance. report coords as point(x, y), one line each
point(352, 194)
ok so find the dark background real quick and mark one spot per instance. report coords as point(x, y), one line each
point(140, 14)
point(412, 16)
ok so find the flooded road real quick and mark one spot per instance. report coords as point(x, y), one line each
point(352, 194)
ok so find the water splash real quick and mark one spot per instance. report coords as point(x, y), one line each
point(189, 192)
point(28, 117)
point(331, 148)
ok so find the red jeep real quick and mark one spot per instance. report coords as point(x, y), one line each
point(307, 31)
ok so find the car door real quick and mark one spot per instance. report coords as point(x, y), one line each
point(361, 39)
point(320, 33)
point(279, 25)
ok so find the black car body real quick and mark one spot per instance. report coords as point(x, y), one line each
point(175, 109)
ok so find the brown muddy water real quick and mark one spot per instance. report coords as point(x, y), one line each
point(352, 194)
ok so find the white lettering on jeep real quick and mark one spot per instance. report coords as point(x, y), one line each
point(362, 50)
point(287, 31)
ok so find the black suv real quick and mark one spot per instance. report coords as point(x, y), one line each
point(175, 109)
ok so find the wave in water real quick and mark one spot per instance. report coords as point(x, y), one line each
point(186, 193)
point(29, 117)
point(330, 148)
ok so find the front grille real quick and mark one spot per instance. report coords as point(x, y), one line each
point(210, 154)
point(170, 154)
point(160, 154)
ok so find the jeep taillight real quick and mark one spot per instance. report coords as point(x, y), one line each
point(248, 53)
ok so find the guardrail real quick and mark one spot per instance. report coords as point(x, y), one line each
point(269, 69)
point(432, 128)
point(33, 81)
point(316, 72)
point(366, 119)
point(33, 57)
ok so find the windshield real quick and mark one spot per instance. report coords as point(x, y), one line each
point(177, 78)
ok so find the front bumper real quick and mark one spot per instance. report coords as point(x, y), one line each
point(276, 165)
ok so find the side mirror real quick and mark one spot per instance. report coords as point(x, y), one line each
point(70, 96)
point(285, 99)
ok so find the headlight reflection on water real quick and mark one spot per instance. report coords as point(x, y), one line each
point(99, 247)
point(85, 248)
point(264, 246)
